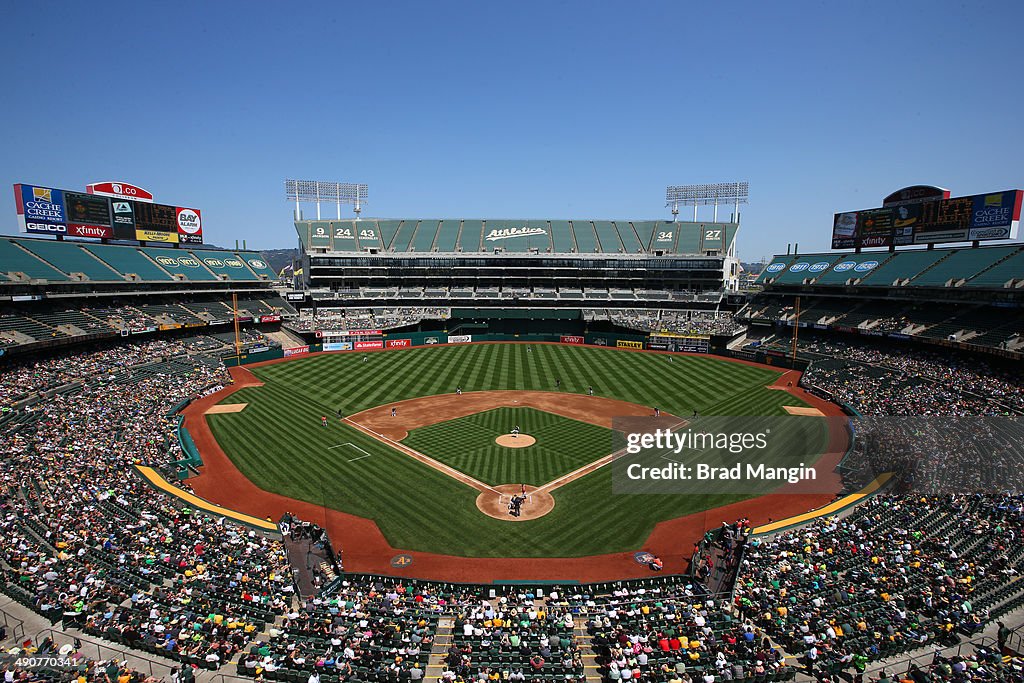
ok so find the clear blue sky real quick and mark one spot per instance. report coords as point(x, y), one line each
point(514, 109)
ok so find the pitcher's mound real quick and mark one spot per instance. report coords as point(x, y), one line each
point(521, 441)
point(537, 504)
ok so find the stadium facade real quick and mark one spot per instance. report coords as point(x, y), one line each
point(490, 262)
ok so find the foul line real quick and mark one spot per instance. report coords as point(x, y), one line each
point(194, 501)
point(426, 459)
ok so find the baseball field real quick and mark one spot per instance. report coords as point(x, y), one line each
point(434, 478)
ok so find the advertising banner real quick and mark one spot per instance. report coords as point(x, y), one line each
point(361, 345)
point(571, 339)
point(625, 344)
point(270, 318)
point(190, 225)
point(123, 219)
point(460, 338)
point(40, 210)
point(120, 190)
point(296, 351)
point(156, 236)
point(155, 222)
point(398, 343)
point(88, 215)
point(338, 346)
point(258, 349)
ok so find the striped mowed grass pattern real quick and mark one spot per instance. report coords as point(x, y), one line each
point(712, 386)
point(279, 444)
point(467, 444)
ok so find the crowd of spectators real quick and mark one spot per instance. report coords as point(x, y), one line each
point(971, 375)
point(695, 322)
point(367, 318)
point(85, 540)
point(899, 573)
point(20, 378)
point(879, 380)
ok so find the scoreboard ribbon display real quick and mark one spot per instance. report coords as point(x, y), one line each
point(50, 211)
point(991, 216)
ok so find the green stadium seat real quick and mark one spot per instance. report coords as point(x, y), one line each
point(608, 237)
point(448, 235)
point(902, 266)
point(586, 237)
point(628, 237)
point(70, 257)
point(16, 259)
point(472, 235)
point(404, 236)
point(561, 238)
point(1011, 267)
point(961, 264)
point(128, 260)
point(388, 230)
point(423, 239)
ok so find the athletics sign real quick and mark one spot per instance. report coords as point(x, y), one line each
point(508, 233)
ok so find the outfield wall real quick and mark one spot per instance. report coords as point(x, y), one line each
point(404, 340)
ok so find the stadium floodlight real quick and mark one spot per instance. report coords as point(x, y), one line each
point(708, 194)
point(324, 191)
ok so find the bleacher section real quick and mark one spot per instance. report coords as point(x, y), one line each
point(60, 261)
point(65, 322)
point(986, 267)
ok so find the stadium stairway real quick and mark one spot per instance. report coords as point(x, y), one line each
point(590, 664)
point(439, 648)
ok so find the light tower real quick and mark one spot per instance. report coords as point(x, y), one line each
point(708, 194)
point(317, 191)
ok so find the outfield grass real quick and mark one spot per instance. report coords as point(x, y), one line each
point(467, 444)
point(278, 442)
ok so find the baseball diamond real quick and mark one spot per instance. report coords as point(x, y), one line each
point(433, 508)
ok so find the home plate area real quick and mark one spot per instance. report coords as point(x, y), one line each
point(495, 502)
point(515, 440)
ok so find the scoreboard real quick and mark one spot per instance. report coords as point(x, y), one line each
point(687, 343)
point(980, 217)
point(51, 211)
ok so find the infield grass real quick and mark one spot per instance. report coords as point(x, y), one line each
point(467, 444)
